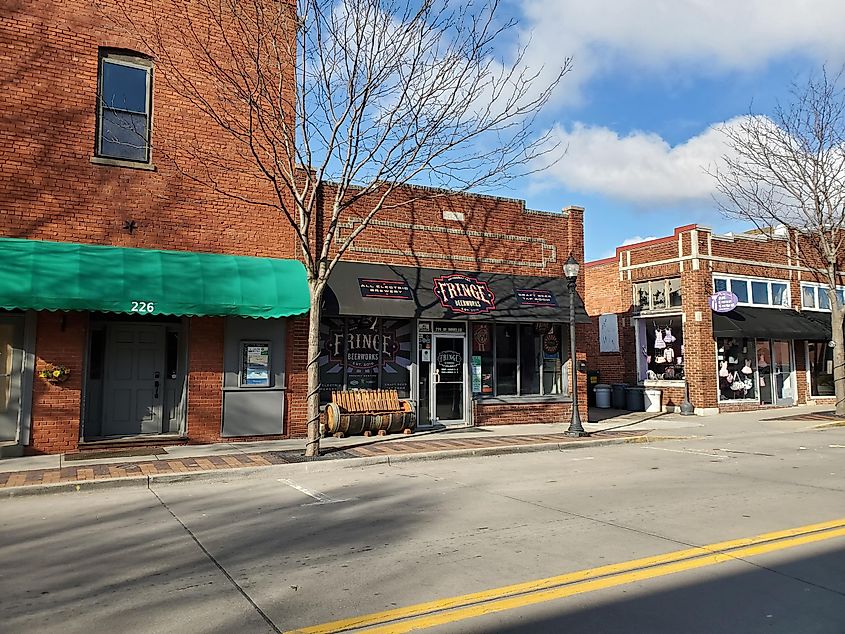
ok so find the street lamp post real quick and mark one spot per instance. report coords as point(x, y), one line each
point(570, 272)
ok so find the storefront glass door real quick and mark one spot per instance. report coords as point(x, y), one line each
point(783, 379)
point(449, 380)
point(776, 372)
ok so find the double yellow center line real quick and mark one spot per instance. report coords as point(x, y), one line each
point(439, 612)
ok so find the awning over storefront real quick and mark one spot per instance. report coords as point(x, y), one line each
point(402, 291)
point(41, 275)
point(770, 323)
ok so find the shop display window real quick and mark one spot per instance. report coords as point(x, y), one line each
point(661, 346)
point(519, 359)
point(736, 365)
point(821, 368)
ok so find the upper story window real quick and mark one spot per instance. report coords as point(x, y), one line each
point(657, 294)
point(754, 292)
point(124, 106)
point(814, 296)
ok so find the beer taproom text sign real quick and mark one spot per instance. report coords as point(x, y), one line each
point(464, 294)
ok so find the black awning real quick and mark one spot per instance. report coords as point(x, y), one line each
point(357, 288)
point(770, 323)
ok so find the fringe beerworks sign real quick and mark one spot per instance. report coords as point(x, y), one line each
point(464, 294)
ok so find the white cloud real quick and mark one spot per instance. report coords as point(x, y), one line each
point(639, 168)
point(626, 242)
point(703, 36)
point(637, 239)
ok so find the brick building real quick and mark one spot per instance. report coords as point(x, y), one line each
point(179, 313)
point(653, 324)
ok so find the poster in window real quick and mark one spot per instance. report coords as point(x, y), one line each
point(396, 350)
point(255, 364)
point(363, 347)
point(551, 344)
point(332, 352)
point(476, 374)
point(608, 333)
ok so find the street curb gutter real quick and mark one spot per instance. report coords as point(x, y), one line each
point(145, 482)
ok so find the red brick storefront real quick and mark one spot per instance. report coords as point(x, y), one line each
point(55, 187)
point(773, 278)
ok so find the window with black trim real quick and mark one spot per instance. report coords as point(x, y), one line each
point(124, 106)
point(520, 359)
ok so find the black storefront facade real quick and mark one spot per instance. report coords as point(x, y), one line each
point(467, 348)
point(768, 356)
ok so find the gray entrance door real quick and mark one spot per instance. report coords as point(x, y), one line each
point(134, 380)
point(11, 364)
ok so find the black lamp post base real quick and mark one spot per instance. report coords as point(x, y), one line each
point(576, 433)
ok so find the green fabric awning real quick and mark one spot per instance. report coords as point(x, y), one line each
point(41, 275)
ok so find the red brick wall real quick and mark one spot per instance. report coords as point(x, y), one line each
point(297, 377)
point(50, 190)
point(205, 379)
point(56, 408)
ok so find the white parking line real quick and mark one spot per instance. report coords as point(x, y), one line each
point(321, 498)
point(697, 453)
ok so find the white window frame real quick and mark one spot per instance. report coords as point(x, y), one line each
point(668, 307)
point(748, 279)
point(817, 287)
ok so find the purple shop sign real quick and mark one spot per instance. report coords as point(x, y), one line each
point(723, 302)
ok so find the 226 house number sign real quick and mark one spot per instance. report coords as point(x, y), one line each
point(464, 294)
point(142, 308)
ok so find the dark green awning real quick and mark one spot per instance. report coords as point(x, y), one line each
point(41, 275)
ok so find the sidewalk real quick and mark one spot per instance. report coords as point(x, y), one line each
point(139, 466)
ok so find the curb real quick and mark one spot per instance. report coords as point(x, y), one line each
point(146, 482)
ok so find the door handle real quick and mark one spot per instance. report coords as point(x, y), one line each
point(437, 376)
point(156, 387)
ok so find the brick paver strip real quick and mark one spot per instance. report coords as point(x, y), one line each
point(245, 461)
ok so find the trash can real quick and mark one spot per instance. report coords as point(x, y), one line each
point(653, 400)
point(602, 396)
point(592, 382)
point(635, 399)
point(618, 398)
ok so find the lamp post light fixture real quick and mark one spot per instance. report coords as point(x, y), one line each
point(570, 272)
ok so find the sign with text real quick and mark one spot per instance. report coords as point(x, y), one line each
point(723, 302)
point(464, 294)
point(384, 289)
point(535, 297)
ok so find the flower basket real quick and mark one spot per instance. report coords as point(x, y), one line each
point(54, 373)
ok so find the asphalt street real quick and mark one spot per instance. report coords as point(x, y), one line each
point(264, 552)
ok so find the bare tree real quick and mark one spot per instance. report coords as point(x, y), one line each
point(789, 169)
point(334, 106)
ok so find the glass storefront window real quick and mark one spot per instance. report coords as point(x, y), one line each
point(518, 359)
point(740, 289)
point(675, 292)
point(506, 348)
point(736, 366)
point(821, 368)
point(759, 293)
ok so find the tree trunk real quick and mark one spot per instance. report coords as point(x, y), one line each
point(312, 446)
point(837, 313)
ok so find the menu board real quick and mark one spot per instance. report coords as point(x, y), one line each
point(255, 364)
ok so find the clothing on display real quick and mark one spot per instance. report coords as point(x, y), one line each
point(659, 344)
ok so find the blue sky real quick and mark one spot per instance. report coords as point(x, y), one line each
point(650, 81)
